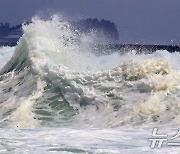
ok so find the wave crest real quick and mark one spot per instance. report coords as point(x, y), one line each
point(80, 89)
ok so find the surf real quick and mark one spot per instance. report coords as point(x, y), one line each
point(53, 80)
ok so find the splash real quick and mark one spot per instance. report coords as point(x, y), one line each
point(54, 79)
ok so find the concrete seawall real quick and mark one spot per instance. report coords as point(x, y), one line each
point(122, 48)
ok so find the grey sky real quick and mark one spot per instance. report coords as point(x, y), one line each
point(138, 21)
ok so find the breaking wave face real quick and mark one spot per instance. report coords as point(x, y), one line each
point(54, 79)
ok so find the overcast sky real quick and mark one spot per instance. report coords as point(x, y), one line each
point(138, 21)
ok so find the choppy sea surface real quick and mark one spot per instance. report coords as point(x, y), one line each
point(57, 96)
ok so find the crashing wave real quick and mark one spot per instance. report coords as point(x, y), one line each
point(51, 80)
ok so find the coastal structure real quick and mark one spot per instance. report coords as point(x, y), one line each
point(10, 35)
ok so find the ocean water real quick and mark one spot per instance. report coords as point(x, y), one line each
point(58, 96)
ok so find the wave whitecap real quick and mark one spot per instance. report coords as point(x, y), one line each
point(54, 80)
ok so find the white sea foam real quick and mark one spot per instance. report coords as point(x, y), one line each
point(55, 80)
point(5, 54)
point(104, 91)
